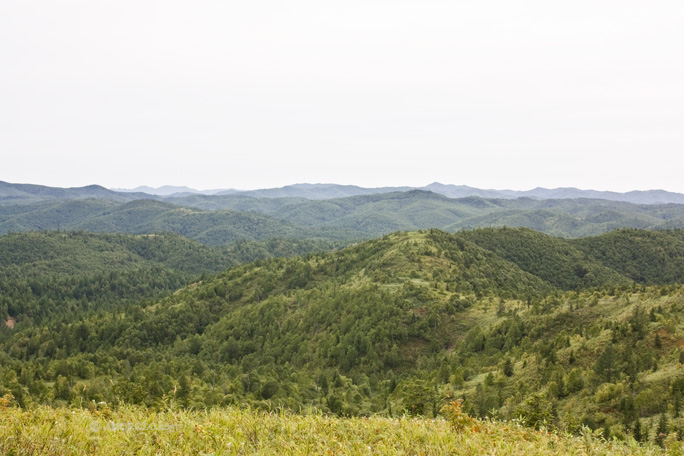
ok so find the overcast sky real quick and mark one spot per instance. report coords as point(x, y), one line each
point(252, 94)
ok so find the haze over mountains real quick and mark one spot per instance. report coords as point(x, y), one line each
point(165, 190)
point(10, 192)
point(326, 191)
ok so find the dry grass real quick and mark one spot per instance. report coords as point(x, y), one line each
point(234, 432)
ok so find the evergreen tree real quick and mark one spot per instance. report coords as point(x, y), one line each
point(605, 366)
point(508, 368)
point(662, 430)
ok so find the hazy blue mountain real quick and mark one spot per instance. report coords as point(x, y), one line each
point(24, 193)
point(328, 191)
point(463, 191)
point(27, 193)
point(169, 190)
point(235, 202)
point(637, 197)
point(314, 191)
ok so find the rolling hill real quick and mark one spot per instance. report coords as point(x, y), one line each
point(377, 214)
point(150, 216)
point(555, 260)
point(653, 257)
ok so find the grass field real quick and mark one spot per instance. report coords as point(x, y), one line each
point(101, 431)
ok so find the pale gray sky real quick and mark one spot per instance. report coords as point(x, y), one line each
point(248, 94)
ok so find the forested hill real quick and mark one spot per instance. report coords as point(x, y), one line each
point(396, 325)
point(65, 273)
point(647, 257)
point(149, 216)
point(377, 214)
point(644, 256)
point(29, 193)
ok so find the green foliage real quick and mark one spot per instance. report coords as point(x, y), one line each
point(537, 411)
point(508, 368)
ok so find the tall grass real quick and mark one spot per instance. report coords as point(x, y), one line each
point(133, 430)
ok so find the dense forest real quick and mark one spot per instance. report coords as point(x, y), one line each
point(561, 333)
point(63, 273)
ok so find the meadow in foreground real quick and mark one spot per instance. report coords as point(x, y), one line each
point(133, 430)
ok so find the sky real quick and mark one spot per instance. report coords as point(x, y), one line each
point(254, 94)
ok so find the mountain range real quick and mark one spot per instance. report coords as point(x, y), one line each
point(327, 191)
point(223, 219)
point(28, 192)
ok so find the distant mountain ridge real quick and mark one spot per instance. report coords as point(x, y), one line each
point(168, 190)
point(28, 193)
point(328, 191)
point(11, 193)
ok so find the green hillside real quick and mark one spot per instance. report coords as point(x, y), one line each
point(26, 255)
point(209, 227)
point(52, 215)
point(380, 213)
point(555, 260)
point(64, 273)
point(651, 257)
point(570, 218)
point(149, 216)
point(402, 324)
point(60, 273)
